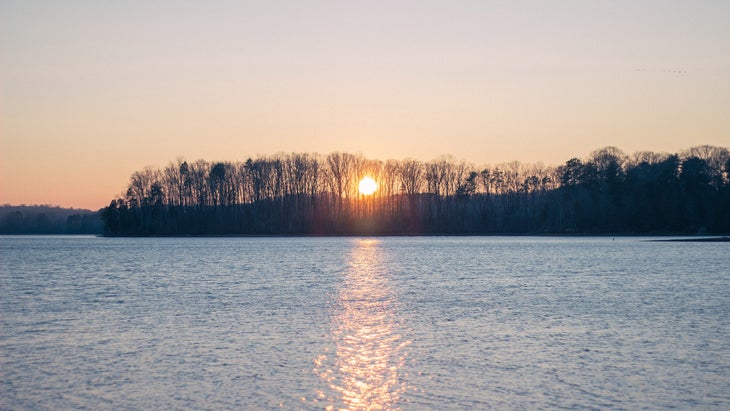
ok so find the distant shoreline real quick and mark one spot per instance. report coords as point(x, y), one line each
point(688, 238)
point(698, 240)
point(652, 237)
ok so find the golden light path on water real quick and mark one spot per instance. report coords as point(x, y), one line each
point(365, 370)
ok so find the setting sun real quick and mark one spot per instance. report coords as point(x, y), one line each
point(367, 186)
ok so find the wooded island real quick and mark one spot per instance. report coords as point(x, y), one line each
point(312, 194)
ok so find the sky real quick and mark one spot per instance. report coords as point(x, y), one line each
point(91, 91)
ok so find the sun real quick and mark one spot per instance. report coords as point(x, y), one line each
point(367, 186)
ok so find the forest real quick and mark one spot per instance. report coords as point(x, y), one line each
point(46, 219)
point(609, 192)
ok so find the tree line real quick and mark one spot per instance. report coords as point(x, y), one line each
point(312, 194)
point(45, 219)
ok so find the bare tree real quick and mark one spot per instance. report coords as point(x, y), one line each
point(411, 173)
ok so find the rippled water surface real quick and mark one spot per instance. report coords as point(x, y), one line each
point(363, 323)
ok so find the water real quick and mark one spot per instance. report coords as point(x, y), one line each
point(363, 323)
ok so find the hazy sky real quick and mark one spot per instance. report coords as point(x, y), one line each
point(91, 91)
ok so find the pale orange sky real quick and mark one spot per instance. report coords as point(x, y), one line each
point(90, 91)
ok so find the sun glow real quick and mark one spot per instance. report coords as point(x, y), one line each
point(367, 186)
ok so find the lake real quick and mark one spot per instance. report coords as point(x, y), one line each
point(410, 323)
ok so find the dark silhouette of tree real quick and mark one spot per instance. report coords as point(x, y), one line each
point(608, 192)
point(44, 219)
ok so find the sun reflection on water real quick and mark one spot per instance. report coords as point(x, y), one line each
point(365, 370)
